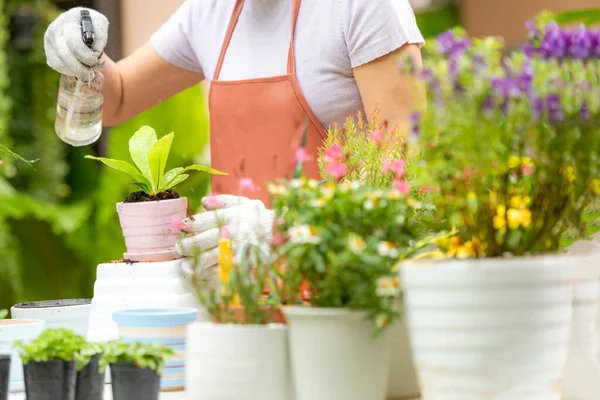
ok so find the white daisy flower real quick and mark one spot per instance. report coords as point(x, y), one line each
point(304, 234)
point(388, 286)
point(319, 203)
point(387, 249)
point(277, 190)
point(356, 244)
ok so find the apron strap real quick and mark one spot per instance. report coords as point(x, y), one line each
point(237, 10)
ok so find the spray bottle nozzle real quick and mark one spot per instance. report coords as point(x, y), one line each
point(87, 28)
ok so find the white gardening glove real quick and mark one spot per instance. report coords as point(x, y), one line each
point(248, 223)
point(65, 50)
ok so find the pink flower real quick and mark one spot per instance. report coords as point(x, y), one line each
point(301, 155)
point(376, 136)
point(402, 185)
point(494, 163)
point(526, 170)
point(398, 167)
point(423, 189)
point(277, 238)
point(1, 162)
point(279, 221)
point(337, 170)
point(225, 234)
point(246, 184)
point(177, 223)
point(334, 153)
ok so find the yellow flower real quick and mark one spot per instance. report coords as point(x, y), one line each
point(466, 251)
point(356, 244)
point(520, 202)
point(514, 162)
point(493, 198)
point(569, 173)
point(596, 186)
point(225, 261)
point(518, 218)
point(472, 196)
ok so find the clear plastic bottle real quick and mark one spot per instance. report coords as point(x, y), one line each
point(79, 110)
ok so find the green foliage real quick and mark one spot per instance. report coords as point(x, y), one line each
point(52, 344)
point(345, 241)
point(86, 353)
point(3, 314)
point(589, 17)
point(6, 151)
point(150, 356)
point(150, 156)
point(433, 22)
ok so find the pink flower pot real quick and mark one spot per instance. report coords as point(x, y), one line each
point(149, 235)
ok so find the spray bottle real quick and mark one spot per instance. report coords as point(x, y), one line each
point(79, 106)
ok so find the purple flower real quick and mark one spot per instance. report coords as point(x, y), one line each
point(533, 30)
point(506, 88)
point(585, 111)
point(415, 121)
point(453, 67)
point(582, 43)
point(595, 37)
point(525, 79)
point(554, 107)
point(537, 108)
point(556, 42)
point(448, 44)
point(488, 105)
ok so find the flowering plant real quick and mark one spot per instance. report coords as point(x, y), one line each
point(511, 145)
point(238, 296)
point(342, 242)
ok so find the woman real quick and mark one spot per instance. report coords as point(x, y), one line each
point(272, 65)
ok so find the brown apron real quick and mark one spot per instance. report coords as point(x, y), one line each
point(255, 124)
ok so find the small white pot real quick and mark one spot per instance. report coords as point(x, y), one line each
point(402, 381)
point(70, 314)
point(237, 362)
point(334, 355)
point(490, 328)
point(12, 330)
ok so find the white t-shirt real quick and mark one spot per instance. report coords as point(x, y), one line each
point(332, 38)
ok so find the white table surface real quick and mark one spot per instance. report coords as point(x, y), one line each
point(108, 395)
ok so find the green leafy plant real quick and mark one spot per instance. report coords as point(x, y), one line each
point(8, 152)
point(343, 243)
point(52, 344)
point(86, 353)
point(150, 156)
point(150, 356)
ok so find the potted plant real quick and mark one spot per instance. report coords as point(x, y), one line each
point(166, 327)
point(343, 242)
point(511, 149)
point(135, 369)
point(247, 330)
point(72, 314)
point(49, 364)
point(370, 152)
point(12, 330)
point(146, 215)
point(90, 381)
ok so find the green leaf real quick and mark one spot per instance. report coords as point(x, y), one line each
point(590, 16)
point(203, 168)
point(140, 145)
point(176, 181)
point(157, 158)
point(169, 177)
point(7, 151)
point(122, 166)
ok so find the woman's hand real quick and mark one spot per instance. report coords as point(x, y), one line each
point(65, 50)
point(248, 222)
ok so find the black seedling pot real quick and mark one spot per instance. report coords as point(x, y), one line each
point(4, 376)
point(133, 383)
point(90, 382)
point(51, 380)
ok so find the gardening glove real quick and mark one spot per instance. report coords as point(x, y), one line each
point(248, 221)
point(66, 51)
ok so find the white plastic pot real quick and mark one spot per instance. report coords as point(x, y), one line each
point(237, 362)
point(402, 381)
point(12, 330)
point(491, 328)
point(334, 355)
point(70, 314)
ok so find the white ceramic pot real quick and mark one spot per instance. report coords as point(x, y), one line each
point(237, 362)
point(12, 330)
point(334, 355)
point(490, 328)
point(70, 314)
point(402, 381)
